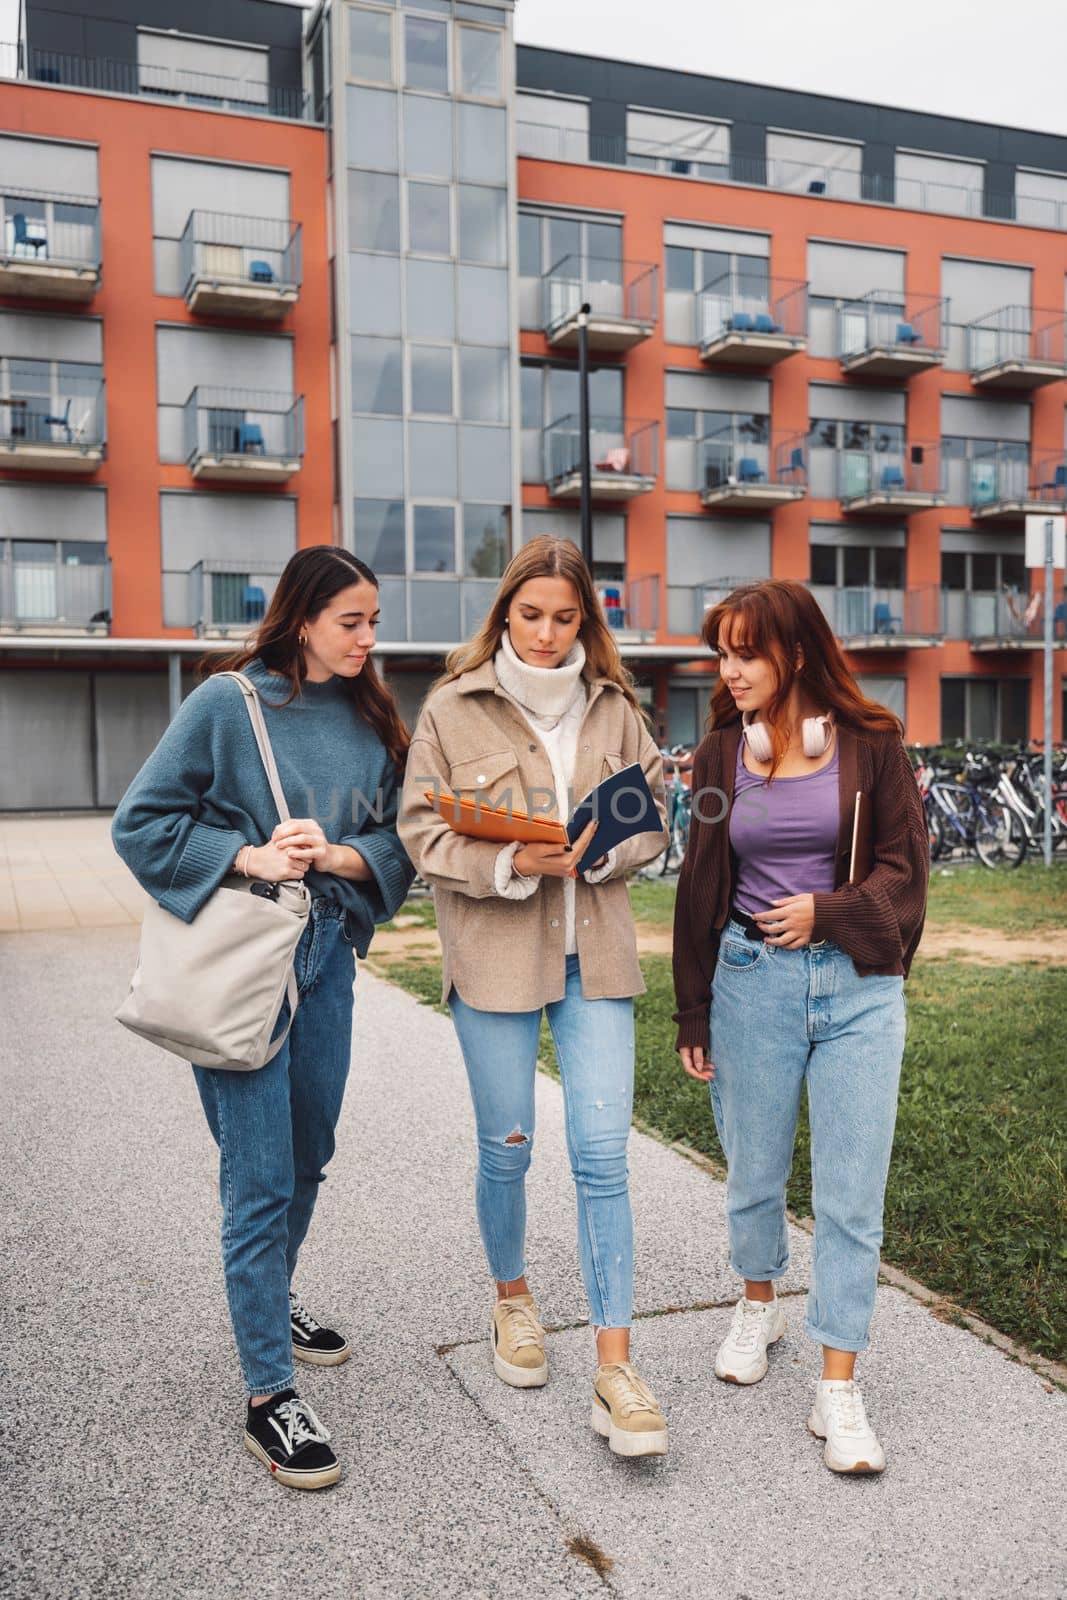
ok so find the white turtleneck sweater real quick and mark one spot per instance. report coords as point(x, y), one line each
point(552, 700)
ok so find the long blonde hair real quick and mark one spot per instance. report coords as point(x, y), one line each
point(546, 557)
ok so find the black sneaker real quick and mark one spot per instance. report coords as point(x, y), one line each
point(321, 1346)
point(287, 1436)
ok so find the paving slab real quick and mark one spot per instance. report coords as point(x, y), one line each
point(453, 1485)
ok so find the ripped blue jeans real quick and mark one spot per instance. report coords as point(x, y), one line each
point(594, 1042)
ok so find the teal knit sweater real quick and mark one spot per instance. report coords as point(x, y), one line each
point(203, 793)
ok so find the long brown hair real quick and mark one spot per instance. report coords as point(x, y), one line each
point(779, 620)
point(546, 557)
point(309, 582)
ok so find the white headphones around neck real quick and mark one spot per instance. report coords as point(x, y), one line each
point(816, 733)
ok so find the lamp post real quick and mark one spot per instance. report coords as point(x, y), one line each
point(1045, 541)
point(585, 469)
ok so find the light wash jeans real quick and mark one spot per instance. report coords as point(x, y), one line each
point(275, 1131)
point(594, 1042)
point(779, 1017)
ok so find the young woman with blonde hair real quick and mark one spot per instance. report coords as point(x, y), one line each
point(538, 706)
point(787, 973)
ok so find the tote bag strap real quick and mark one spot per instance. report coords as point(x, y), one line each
point(259, 728)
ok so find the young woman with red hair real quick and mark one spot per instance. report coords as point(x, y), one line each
point(786, 972)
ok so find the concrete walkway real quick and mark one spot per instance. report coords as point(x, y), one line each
point(123, 1471)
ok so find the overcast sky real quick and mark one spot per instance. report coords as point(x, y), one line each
point(990, 60)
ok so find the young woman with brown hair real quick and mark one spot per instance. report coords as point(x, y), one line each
point(786, 973)
point(536, 705)
point(200, 810)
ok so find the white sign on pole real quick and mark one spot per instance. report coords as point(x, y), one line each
point(1035, 540)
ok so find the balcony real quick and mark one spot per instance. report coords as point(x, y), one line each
point(1016, 348)
point(1003, 619)
point(631, 609)
point(243, 436)
point(49, 246)
point(236, 266)
point(737, 329)
point(51, 423)
point(623, 300)
point(874, 618)
point(890, 482)
point(881, 336)
point(624, 458)
point(50, 597)
point(739, 475)
point(108, 75)
point(1002, 487)
point(228, 598)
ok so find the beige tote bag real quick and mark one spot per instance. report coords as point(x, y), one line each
point(211, 990)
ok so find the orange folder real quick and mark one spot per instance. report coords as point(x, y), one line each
point(477, 819)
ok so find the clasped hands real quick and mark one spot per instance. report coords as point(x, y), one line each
point(298, 844)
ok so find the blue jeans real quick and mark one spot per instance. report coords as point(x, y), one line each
point(594, 1042)
point(275, 1133)
point(779, 1017)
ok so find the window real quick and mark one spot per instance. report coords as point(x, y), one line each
point(379, 530)
point(828, 433)
point(431, 299)
point(857, 566)
point(429, 218)
point(814, 166)
point(371, 133)
point(431, 379)
point(483, 224)
point(426, 53)
point(486, 540)
point(484, 385)
point(938, 183)
point(427, 136)
point(370, 45)
point(824, 564)
point(376, 384)
point(529, 245)
point(483, 305)
point(683, 145)
point(483, 143)
point(373, 211)
point(434, 538)
point(433, 470)
point(996, 709)
point(374, 293)
point(479, 63)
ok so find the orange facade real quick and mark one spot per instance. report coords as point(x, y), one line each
point(646, 201)
point(127, 133)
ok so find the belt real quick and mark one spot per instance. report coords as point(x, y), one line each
point(752, 929)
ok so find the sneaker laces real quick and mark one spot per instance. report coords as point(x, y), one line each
point(522, 1325)
point(631, 1393)
point(300, 1313)
point(748, 1320)
point(301, 1425)
point(847, 1406)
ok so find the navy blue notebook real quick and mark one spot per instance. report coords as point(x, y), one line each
point(622, 805)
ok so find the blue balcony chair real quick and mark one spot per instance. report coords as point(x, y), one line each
point(60, 421)
point(893, 478)
point(741, 322)
point(906, 334)
point(884, 620)
point(261, 272)
point(253, 602)
point(1058, 482)
point(766, 323)
point(1059, 620)
point(250, 439)
point(749, 470)
point(817, 186)
point(33, 241)
point(797, 466)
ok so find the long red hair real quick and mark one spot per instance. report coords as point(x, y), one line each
point(779, 620)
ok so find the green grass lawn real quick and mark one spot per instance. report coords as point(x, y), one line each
point(976, 1205)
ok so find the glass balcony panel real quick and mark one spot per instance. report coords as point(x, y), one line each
point(36, 591)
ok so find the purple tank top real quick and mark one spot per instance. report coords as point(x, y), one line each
point(784, 834)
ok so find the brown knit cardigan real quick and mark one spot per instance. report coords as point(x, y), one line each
point(877, 922)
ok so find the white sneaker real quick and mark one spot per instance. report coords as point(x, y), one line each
point(838, 1417)
point(742, 1356)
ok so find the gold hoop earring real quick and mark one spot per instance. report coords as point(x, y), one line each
point(303, 638)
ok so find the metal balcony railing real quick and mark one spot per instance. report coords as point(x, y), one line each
point(34, 594)
point(624, 450)
point(619, 291)
point(230, 596)
point(46, 403)
point(892, 477)
point(1018, 334)
point(883, 320)
point(243, 423)
point(882, 614)
point(1001, 476)
point(727, 459)
point(571, 145)
point(632, 606)
point(264, 252)
point(107, 75)
point(727, 307)
point(1005, 614)
point(1048, 481)
point(46, 229)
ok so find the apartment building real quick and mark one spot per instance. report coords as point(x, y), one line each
point(271, 277)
